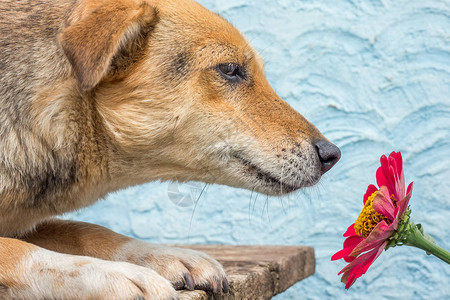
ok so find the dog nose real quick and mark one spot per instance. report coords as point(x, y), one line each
point(329, 154)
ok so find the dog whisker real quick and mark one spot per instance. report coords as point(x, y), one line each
point(193, 210)
point(254, 204)
point(250, 207)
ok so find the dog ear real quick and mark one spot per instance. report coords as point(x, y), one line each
point(92, 42)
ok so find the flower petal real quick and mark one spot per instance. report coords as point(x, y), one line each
point(360, 259)
point(351, 280)
point(382, 203)
point(349, 259)
point(399, 176)
point(349, 244)
point(403, 203)
point(350, 231)
point(390, 174)
point(366, 264)
point(398, 161)
point(360, 266)
point(381, 179)
point(410, 186)
point(378, 236)
point(382, 231)
point(364, 247)
point(394, 224)
point(370, 190)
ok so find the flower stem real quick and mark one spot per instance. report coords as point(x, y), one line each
point(416, 238)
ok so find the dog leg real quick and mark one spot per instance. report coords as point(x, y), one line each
point(183, 267)
point(30, 272)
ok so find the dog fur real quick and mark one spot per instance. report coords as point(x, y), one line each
point(98, 95)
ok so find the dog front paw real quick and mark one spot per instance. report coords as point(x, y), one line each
point(185, 268)
point(59, 276)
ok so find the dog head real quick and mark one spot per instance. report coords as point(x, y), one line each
point(182, 95)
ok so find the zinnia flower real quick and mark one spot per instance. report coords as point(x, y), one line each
point(385, 210)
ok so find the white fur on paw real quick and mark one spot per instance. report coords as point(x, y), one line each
point(51, 275)
point(185, 268)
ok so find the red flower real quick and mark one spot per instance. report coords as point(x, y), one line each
point(383, 209)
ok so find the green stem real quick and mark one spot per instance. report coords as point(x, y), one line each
point(415, 238)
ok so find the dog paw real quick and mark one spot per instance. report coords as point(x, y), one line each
point(184, 268)
point(59, 276)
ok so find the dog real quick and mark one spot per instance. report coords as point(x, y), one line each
point(99, 95)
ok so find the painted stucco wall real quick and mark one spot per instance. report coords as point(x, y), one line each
point(373, 76)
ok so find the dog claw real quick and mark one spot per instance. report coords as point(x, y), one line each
point(226, 286)
point(216, 287)
point(189, 282)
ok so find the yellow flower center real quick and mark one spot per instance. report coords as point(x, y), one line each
point(369, 218)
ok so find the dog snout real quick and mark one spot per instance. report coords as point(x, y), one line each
point(328, 153)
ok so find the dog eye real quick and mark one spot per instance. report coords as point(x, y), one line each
point(230, 71)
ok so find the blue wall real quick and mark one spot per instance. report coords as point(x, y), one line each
point(374, 76)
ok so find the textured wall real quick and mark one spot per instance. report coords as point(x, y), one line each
point(374, 76)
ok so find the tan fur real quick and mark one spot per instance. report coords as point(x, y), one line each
point(98, 95)
point(76, 238)
point(15, 251)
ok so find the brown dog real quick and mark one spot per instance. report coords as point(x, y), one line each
point(98, 95)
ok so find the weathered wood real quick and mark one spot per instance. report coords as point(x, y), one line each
point(257, 272)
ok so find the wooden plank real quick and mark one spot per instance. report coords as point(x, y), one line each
point(257, 272)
